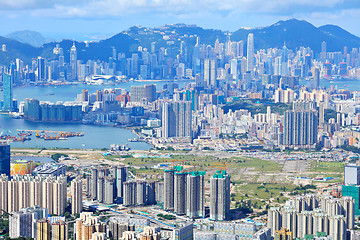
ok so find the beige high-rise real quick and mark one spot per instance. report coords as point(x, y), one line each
point(59, 231)
point(76, 196)
point(43, 229)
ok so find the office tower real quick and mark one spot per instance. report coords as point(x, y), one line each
point(59, 231)
point(210, 72)
point(94, 176)
point(322, 113)
point(73, 62)
point(354, 192)
point(109, 187)
point(219, 196)
point(250, 54)
point(4, 158)
point(129, 193)
point(195, 195)
point(180, 193)
point(41, 72)
point(300, 126)
point(43, 229)
point(169, 190)
point(76, 196)
point(176, 119)
point(284, 61)
point(143, 93)
point(352, 174)
point(121, 177)
point(233, 68)
point(316, 77)
point(150, 193)
point(8, 93)
point(323, 52)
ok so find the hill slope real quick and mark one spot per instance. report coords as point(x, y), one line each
point(295, 33)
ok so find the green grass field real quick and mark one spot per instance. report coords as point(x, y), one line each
point(324, 167)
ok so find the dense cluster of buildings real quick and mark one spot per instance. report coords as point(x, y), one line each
point(229, 96)
point(309, 215)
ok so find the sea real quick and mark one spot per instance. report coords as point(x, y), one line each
point(95, 137)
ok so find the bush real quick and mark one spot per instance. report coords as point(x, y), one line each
point(57, 156)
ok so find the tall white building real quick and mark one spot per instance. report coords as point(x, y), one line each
point(73, 62)
point(250, 53)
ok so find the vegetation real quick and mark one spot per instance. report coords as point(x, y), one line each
point(335, 167)
point(57, 156)
point(256, 106)
point(350, 148)
point(166, 216)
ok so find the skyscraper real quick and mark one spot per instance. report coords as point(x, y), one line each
point(195, 199)
point(140, 93)
point(8, 94)
point(5, 158)
point(316, 77)
point(219, 196)
point(43, 229)
point(176, 119)
point(300, 126)
point(210, 72)
point(73, 62)
point(180, 193)
point(59, 231)
point(121, 177)
point(250, 53)
point(352, 174)
point(41, 74)
point(169, 190)
point(76, 196)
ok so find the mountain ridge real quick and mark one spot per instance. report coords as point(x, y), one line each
point(294, 33)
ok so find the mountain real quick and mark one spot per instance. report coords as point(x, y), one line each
point(101, 50)
point(32, 38)
point(15, 49)
point(296, 33)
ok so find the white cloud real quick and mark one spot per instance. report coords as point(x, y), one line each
point(94, 9)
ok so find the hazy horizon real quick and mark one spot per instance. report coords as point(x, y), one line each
point(83, 19)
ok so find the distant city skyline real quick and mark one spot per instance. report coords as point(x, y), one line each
point(97, 19)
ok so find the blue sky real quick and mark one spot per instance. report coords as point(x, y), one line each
point(92, 19)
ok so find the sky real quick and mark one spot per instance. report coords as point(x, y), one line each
point(96, 19)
